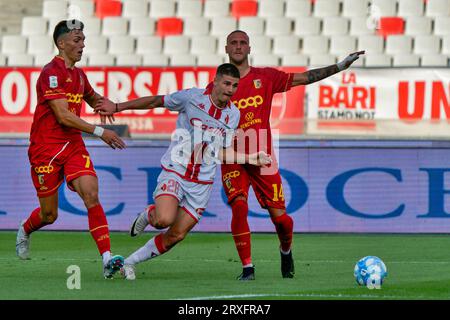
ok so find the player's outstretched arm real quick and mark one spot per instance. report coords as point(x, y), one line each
point(229, 155)
point(95, 99)
point(66, 118)
point(107, 107)
point(315, 75)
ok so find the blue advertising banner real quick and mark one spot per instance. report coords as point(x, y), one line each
point(329, 186)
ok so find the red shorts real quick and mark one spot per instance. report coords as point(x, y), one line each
point(268, 189)
point(51, 163)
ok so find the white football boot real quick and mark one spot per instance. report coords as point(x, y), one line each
point(128, 271)
point(22, 243)
point(141, 222)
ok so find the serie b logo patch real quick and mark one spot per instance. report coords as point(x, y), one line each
point(53, 82)
point(257, 83)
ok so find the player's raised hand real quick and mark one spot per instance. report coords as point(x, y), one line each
point(347, 62)
point(112, 139)
point(105, 107)
point(260, 159)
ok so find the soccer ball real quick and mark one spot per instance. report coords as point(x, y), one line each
point(370, 271)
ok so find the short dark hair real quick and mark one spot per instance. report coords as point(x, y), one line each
point(66, 26)
point(236, 31)
point(229, 70)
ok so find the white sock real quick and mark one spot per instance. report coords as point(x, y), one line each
point(248, 265)
point(146, 252)
point(285, 252)
point(106, 256)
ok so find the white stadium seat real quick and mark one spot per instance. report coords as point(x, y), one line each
point(378, 60)
point(286, 45)
point(83, 8)
point(410, 8)
point(277, 26)
point(40, 44)
point(223, 26)
point(315, 45)
point(436, 8)
point(295, 60)
point(398, 44)
point(360, 26)
point(14, 44)
point(54, 8)
point(95, 45)
point(101, 60)
point(321, 59)
point(427, 45)
point(252, 25)
point(191, 8)
point(216, 8)
point(128, 60)
point(332, 26)
point(2, 60)
point(146, 45)
point(385, 8)
point(176, 45)
point(298, 8)
point(162, 8)
point(34, 26)
point(326, 8)
point(142, 26)
point(92, 26)
point(155, 60)
point(209, 60)
point(259, 45)
point(121, 45)
point(135, 9)
point(263, 60)
point(41, 60)
point(406, 60)
point(114, 26)
point(434, 60)
point(355, 8)
point(196, 26)
point(306, 26)
point(418, 26)
point(20, 60)
point(270, 8)
point(182, 60)
point(342, 45)
point(203, 45)
point(441, 26)
point(371, 44)
point(446, 45)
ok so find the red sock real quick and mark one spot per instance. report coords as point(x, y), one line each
point(284, 226)
point(34, 222)
point(159, 244)
point(98, 226)
point(241, 231)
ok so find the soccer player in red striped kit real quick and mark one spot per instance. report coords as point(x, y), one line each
point(57, 150)
point(253, 98)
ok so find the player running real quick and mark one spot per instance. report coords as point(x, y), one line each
point(253, 98)
point(57, 150)
point(205, 129)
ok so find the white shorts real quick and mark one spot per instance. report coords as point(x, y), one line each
point(192, 197)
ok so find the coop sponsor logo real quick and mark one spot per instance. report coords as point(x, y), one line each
point(245, 103)
point(44, 169)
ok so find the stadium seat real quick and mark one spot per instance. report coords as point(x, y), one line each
point(251, 25)
point(101, 60)
point(155, 60)
point(92, 26)
point(391, 26)
point(320, 60)
point(362, 26)
point(191, 8)
point(95, 45)
point(398, 44)
point(441, 26)
point(85, 8)
point(221, 26)
point(384, 8)
point(270, 8)
point(355, 8)
point(437, 8)
point(121, 45)
point(162, 8)
point(34, 26)
point(41, 60)
point(203, 45)
point(212, 60)
point(445, 45)
point(108, 8)
point(315, 45)
point(377, 60)
point(306, 26)
point(216, 8)
point(342, 45)
point(406, 60)
point(176, 45)
point(333, 26)
point(169, 26)
point(146, 45)
point(14, 44)
point(196, 26)
point(42, 44)
point(20, 60)
point(244, 8)
point(265, 60)
point(135, 9)
point(410, 8)
point(182, 60)
point(260, 45)
point(114, 26)
point(418, 26)
point(287, 44)
point(326, 8)
point(427, 44)
point(277, 26)
point(54, 8)
point(298, 8)
point(142, 26)
point(294, 60)
point(2, 60)
point(373, 44)
point(434, 60)
point(128, 60)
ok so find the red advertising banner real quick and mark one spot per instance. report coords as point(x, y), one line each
point(18, 97)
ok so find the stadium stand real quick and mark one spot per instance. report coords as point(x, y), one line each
point(395, 32)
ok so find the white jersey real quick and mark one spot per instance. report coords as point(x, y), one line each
point(202, 130)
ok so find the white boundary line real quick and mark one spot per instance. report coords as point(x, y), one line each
point(302, 295)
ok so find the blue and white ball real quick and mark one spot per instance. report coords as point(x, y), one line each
point(370, 271)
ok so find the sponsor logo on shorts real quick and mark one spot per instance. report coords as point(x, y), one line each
point(231, 175)
point(257, 83)
point(244, 103)
point(43, 188)
point(44, 169)
point(41, 178)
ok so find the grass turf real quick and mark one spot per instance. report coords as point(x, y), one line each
point(205, 266)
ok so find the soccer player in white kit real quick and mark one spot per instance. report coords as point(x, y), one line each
point(205, 129)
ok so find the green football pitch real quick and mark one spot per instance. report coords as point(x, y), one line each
point(205, 266)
